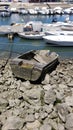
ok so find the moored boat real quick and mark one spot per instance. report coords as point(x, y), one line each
point(5, 13)
point(61, 40)
point(33, 64)
point(32, 35)
point(32, 30)
point(67, 28)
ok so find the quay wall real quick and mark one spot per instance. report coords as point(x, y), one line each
point(32, 5)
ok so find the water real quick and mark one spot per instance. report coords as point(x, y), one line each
point(19, 45)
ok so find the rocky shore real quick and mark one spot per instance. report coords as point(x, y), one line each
point(27, 106)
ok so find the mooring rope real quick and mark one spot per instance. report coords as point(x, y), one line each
point(9, 56)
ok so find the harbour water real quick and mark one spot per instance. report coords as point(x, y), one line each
point(19, 45)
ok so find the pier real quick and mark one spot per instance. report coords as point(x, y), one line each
point(11, 29)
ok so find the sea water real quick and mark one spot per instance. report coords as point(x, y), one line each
point(19, 45)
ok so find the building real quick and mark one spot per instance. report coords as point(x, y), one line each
point(35, 1)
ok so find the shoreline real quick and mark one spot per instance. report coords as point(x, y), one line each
point(27, 106)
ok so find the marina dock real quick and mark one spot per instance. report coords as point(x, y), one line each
point(6, 29)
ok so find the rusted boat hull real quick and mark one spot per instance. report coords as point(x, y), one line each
point(30, 66)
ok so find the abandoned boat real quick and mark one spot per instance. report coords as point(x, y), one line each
point(33, 64)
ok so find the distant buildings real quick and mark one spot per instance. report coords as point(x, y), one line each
point(35, 1)
point(44, 0)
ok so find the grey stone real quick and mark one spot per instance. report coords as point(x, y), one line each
point(46, 80)
point(33, 125)
point(60, 126)
point(13, 102)
point(3, 102)
point(45, 127)
point(70, 84)
point(69, 122)
point(37, 115)
point(13, 123)
point(69, 100)
point(22, 89)
point(50, 96)
point(33, 94)
point(27, 85)
point(62, 111)
point(47, 87)
point(48, 108)
point(2, 80)
point(30, 118)
point(43, 115)
point(53, 124)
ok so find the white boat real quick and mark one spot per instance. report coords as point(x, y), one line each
point(32, 35)
point(62, 40)
point(5, 13)
point(22, 11)
point(59, 32)
point(58, 10)
point(32, 11)
point(13, 10)
point(32, 30)
point(67, 27)
point(67, 11)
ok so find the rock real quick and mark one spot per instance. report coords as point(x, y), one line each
point(22, 89)
point(53, 73)
point(13, 123)
point(8, 83)
point(33, 125)
point(37, 115)
point(1, 125)
point(43, 115)
point(69, 100)
point(3, 102)
point(48, 105)
point(16, 112)
point(30, 110)
point(18, 83)
point(53, 114)
point(46, 80)
point(27, 85)
point(60, 126)
point(53, 124)
point(45, 127)
point(33, 94)
point(59, 94)
point(30, 118)
point(13, 86)
point(70, 84)
point(48, 108)
point(2, 80)
point(13, 102)
point(62, 86)
point(62, 111)
point(49, 97)
point(69, 122)
point(24, 128)
point(47, 87)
